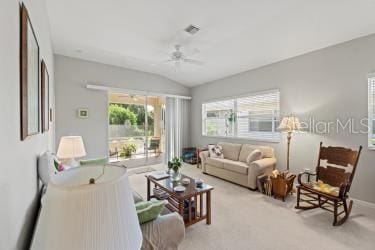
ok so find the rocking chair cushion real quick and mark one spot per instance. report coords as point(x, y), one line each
point(323, 187)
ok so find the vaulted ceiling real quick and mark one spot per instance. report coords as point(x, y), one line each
point(234, 36)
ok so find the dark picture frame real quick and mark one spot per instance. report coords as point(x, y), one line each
point(44, 85)
point(29, 77)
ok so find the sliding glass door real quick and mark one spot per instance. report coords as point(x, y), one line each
point(136, 131)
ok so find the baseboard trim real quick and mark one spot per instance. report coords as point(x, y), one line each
point(364, 203)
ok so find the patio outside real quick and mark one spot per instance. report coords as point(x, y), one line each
point(130, 135)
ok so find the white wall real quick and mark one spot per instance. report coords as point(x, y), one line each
point(326, 84)
point(72, 76)
point(18, 178)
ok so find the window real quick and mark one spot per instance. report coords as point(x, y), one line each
point(254, 116)
point(371, 111)
point(216, 118)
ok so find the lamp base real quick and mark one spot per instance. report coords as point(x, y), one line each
point(73, 163)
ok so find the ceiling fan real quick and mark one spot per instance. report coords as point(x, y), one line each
point(177, 57)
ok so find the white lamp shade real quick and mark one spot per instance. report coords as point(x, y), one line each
point(290, 124)
point(77, 215)
point(71, 147)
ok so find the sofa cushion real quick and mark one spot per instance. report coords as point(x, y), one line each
point(215, 151)
point(231, 150)
point(254, 156)
point(236, 166)
point(248, 148)
point(148, 210)
point(215, 162)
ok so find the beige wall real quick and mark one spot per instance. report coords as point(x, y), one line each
point(327, 84)
point(18, 177)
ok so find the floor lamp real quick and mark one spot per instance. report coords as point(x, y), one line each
point(289, 124)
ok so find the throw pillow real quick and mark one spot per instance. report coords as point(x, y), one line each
point(254, 156)
point(94, 162)
point(215, 151)
point(148, 210)
point(45, 167)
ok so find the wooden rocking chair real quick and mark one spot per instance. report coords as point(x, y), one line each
point(335, 176)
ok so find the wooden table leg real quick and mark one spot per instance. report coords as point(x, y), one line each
point(181, 207)
point(201, 212)
point(190, 203)
point(148, 189)
point(196, 207)
point(208, 207)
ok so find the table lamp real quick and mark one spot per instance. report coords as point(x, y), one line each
point(78, 215)
point(71, 147)
point(289, 124)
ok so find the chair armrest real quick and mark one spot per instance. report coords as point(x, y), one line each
point(204, 155)
point(136, 197)
point(166, 232)
point(259, 167)
point(263, 164)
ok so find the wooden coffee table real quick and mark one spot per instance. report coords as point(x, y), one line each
point(190, 204)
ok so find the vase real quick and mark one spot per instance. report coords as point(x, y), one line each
point(176, 175)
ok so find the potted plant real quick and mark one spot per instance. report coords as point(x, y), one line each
point(128, 150)
point(175, 164)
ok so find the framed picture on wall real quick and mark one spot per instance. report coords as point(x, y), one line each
point(45, 96)
point(29, 85)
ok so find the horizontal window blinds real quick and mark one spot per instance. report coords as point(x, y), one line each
point(258, 116)
point(254, 116)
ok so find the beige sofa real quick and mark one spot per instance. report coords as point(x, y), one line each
point(234, 167)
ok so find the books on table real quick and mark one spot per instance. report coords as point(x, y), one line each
point(158, 175)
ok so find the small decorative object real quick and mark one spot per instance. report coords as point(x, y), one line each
point(185, 181)
point(58, 165)
point(175, 165)
point(179, 188)
point(70, 148)
point(83, 113)
point(232, 117)
point(29, 77)
point(199, 183)
point(45, 97)
point(289, 124)
point(128, 150)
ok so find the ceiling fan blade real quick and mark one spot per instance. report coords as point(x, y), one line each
point(192, 61)
point(162, 62)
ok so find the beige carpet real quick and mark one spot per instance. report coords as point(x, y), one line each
point(243, 219)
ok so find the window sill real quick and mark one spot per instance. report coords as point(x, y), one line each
point(245, 138)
